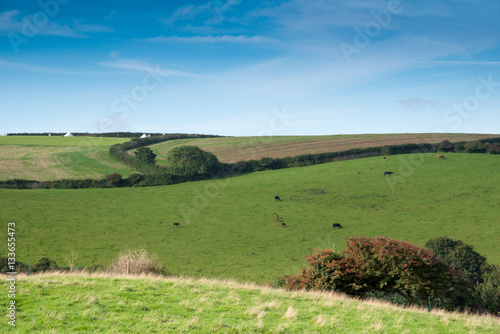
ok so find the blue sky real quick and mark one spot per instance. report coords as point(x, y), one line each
point(244, 68)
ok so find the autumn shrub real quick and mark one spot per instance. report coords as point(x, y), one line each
point(138, 261)
point(378, 264)
point(494, 148)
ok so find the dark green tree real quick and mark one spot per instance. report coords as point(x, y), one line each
point(114, 180)
point(461, 256)
point(145, 154)
point(44, 264)
point(488, 292)
point(192, 161)
point(475, 147)
point(446, 146)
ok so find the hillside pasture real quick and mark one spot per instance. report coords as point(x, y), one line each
point(228, 228)
point(120, 304)
point(53, 158)
point(233, 149)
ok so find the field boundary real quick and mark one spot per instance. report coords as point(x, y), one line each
point(155, 175)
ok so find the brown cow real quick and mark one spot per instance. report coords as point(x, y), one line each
point(283, 224)
point(175, 224)
point(440, 156)
point(276, 217)
point(383, 158)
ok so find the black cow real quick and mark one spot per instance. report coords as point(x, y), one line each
point(388, 173)
point(277, 198)
point(336, 225)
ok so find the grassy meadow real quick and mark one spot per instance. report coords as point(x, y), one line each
point(233, 149)
point(52, 158)
point(119, 304)
point(227, 226)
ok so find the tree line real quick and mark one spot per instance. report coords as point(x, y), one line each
point(188, 163)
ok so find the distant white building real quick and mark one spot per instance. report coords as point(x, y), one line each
point(3, 134)
point(144, 136)
point(69, 134)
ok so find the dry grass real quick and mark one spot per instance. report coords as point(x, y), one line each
point(137, 262)
point(45, 163)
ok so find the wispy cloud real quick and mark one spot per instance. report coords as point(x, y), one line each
point(242, 39)
point(210, 13)
point(189, 12)
point(13, 22)
point(466, 63)
point(142, 66)
point(418, 103)
point(44, 69)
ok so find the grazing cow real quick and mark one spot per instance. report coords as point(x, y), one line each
point(440, 156)
point(276, 217)
point(277, 198)
point(383, 158)
point(336, 225)
point(283, 224)
point(175, 224)
point(388, 173)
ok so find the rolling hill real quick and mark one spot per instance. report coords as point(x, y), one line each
point(52, 158)
point(233, 149)
point(120, 304)
point(227, 225)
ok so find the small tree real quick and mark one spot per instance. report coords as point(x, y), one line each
point(446, 146)
point(460, 256)
point(145, 154)
point(489, 291)
point(114, 180)
point(460, 146)
point(192, 161)
point(475, 147)
point(494, 148)
point(44, 264)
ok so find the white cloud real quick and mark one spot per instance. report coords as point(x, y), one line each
point(44, 69)
point(12, 22)
point(189, 12)
point(418, 103)
point(138, 65)
point(243, 39)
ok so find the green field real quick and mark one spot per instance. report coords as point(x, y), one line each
point(233, 149)
point(227, 226)
point(52, 158)
point(116, 304)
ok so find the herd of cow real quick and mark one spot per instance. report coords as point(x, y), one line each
point(334, 225)
point(277, 218)
point(439, 156)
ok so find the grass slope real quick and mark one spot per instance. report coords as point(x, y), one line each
point(232, 149)
point(227, 226)
point(118, 304)
point(52, 158)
